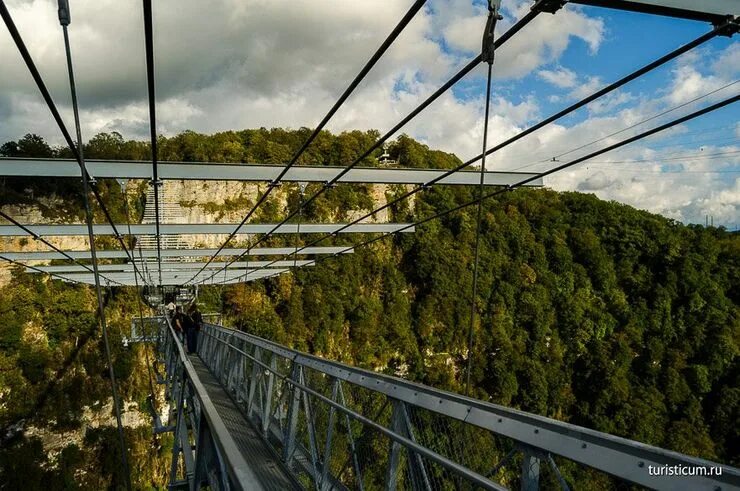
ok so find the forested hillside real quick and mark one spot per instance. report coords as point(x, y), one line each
point(589, 311)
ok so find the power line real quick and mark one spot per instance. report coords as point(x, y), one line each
point(639, 123)
point(347, 92)
point(690, 157)
point(520, 24)
point(644, 171)
point(562, 113)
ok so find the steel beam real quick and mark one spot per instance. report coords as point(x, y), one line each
point(150, 253)
point(202, 229)
point(127, 279)
point(242, 266)
point(703, 10)
point(15, 167)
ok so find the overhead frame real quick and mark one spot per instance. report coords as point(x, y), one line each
point(713, 11)
point(151, 254)
point(128, 279)
point(131, 169)
point(127, 267)
point(63, 230)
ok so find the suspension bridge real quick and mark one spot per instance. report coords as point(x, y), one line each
point(248, 413)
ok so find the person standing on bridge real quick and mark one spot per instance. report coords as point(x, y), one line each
point(195, 324)
point(178, 322)
point(170, 309)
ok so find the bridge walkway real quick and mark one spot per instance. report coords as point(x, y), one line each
point(265, 465)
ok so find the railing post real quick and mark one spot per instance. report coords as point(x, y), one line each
point(268, 399)
point(253, 380)
point(530, 480)
point(311, 427)
point(401, 424)
point(394, 453)
point(177, 443)
point(415, 461)
point(293, 412)
point(352, 447)
point(329, 434)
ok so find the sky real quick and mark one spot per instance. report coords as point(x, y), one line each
point(234, 64)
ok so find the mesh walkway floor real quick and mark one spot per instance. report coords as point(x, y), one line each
point(270, 472)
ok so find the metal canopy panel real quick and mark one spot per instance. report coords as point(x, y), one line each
point(182, 275)
point(703, 10)
point(250, 172)
point(242, 266)
point(176, 278)
point(204, 229)
point(150, 253)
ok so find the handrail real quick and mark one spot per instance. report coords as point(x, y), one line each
point(623, 458)
point(431, 455)
point(236, 466)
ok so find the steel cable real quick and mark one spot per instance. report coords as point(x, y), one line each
point(141, 312)
point(57, 276)
point(719, 30)
point(553, 170)
point(23, 50)
point(348, 91)
point(520, 24)
point(64, 19)
point(49, 244)
point(149, 41)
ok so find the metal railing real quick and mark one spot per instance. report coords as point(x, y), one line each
point(340, 427)
point(204, 453)
point(147, 329)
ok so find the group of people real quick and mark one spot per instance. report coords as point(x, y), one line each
point(186, 325)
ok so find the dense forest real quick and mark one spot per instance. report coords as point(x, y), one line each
point(589, 311)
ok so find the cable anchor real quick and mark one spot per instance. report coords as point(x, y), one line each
point(730, 26)
point(489, 46)
point(64, 16)
point(548, 6)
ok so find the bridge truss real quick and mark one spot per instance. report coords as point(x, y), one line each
point(315, 423)
point(269, 417)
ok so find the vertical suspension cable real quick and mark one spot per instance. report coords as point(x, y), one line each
point(302, 190)
point(64, 20)
point(153, 398)
point(149, 41)
point(23, 50)
point(476, 260)
point(488, 53)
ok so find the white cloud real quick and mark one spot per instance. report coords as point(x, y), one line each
point(561, 77)
point(250, 63)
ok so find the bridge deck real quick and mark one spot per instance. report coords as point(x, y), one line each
point(267, 468)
